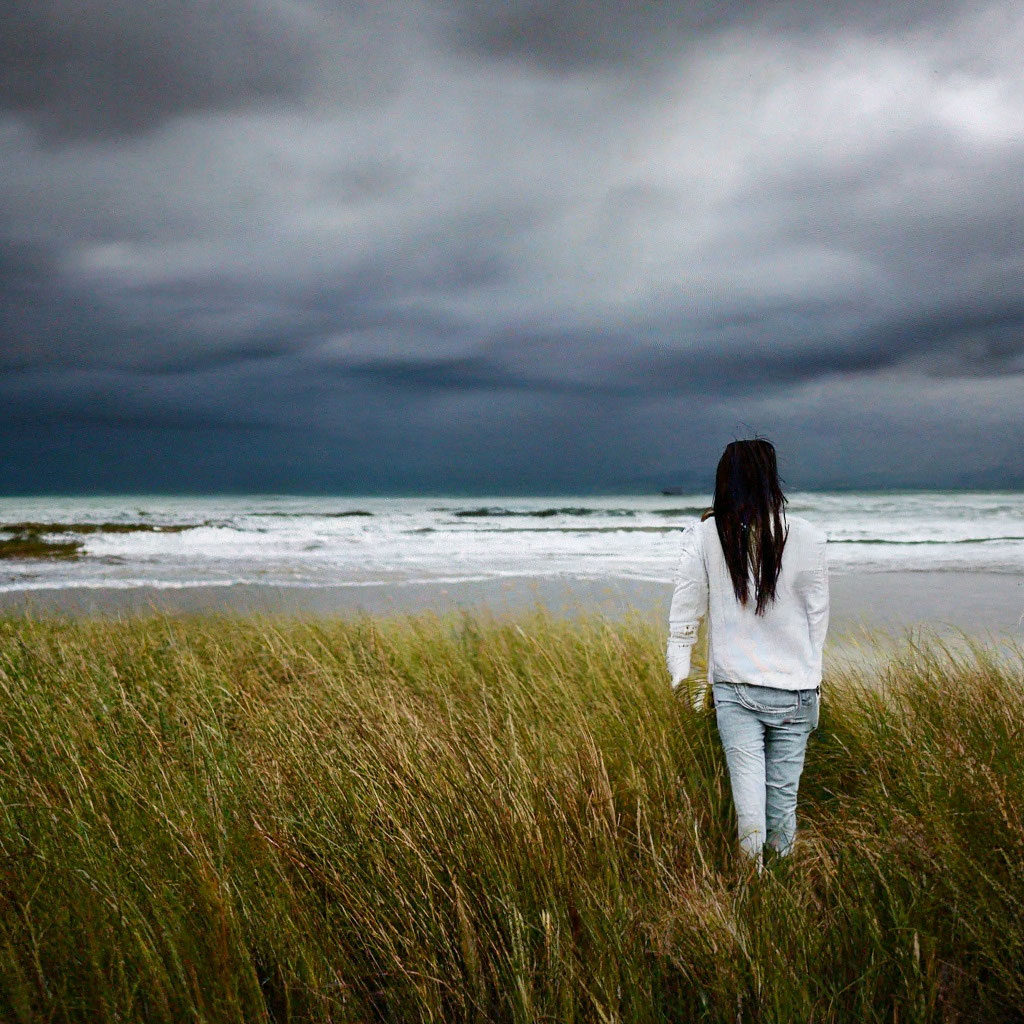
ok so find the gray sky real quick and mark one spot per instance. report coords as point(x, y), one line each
point(311, 245)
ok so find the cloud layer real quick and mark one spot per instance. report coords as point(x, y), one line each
point(539, 246)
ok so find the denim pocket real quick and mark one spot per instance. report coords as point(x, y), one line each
point(812, 701)
point(768, 700)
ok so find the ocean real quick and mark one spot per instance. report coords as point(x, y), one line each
point(310, 542)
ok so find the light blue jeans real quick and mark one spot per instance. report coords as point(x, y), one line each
point(764, 732)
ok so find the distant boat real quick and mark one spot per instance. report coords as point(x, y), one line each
point(672, 492)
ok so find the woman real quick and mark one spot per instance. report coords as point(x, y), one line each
point(762, 578)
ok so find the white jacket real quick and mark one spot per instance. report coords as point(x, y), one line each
point(781, 648)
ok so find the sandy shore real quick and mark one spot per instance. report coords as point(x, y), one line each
point(892, 601)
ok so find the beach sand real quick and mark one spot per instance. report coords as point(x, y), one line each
point(976, 602)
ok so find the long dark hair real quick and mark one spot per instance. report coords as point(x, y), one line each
point(750, 517)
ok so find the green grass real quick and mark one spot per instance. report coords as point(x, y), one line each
point(458, 819)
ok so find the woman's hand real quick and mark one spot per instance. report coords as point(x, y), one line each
point(677, 658)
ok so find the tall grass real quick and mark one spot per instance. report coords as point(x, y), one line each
point(458, 819)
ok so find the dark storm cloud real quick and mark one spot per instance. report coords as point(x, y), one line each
point(953, 343)
point(425, 238)
point(26, 275)
point(956, 342)
point(561, 35)
point(47, 320)
point(148, 419)
point(465, 373)
point(84, 67)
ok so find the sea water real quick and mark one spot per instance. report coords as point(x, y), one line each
point(343, 541)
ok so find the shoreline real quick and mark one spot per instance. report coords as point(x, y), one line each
point(886, 601)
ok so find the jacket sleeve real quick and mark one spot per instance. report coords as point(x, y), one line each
point(816, 600)
point(689, 605)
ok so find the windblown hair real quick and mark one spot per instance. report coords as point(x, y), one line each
point(749, 514)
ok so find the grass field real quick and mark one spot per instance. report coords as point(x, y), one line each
point(458, 819)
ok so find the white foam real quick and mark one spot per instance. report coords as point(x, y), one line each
point(305, 542)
